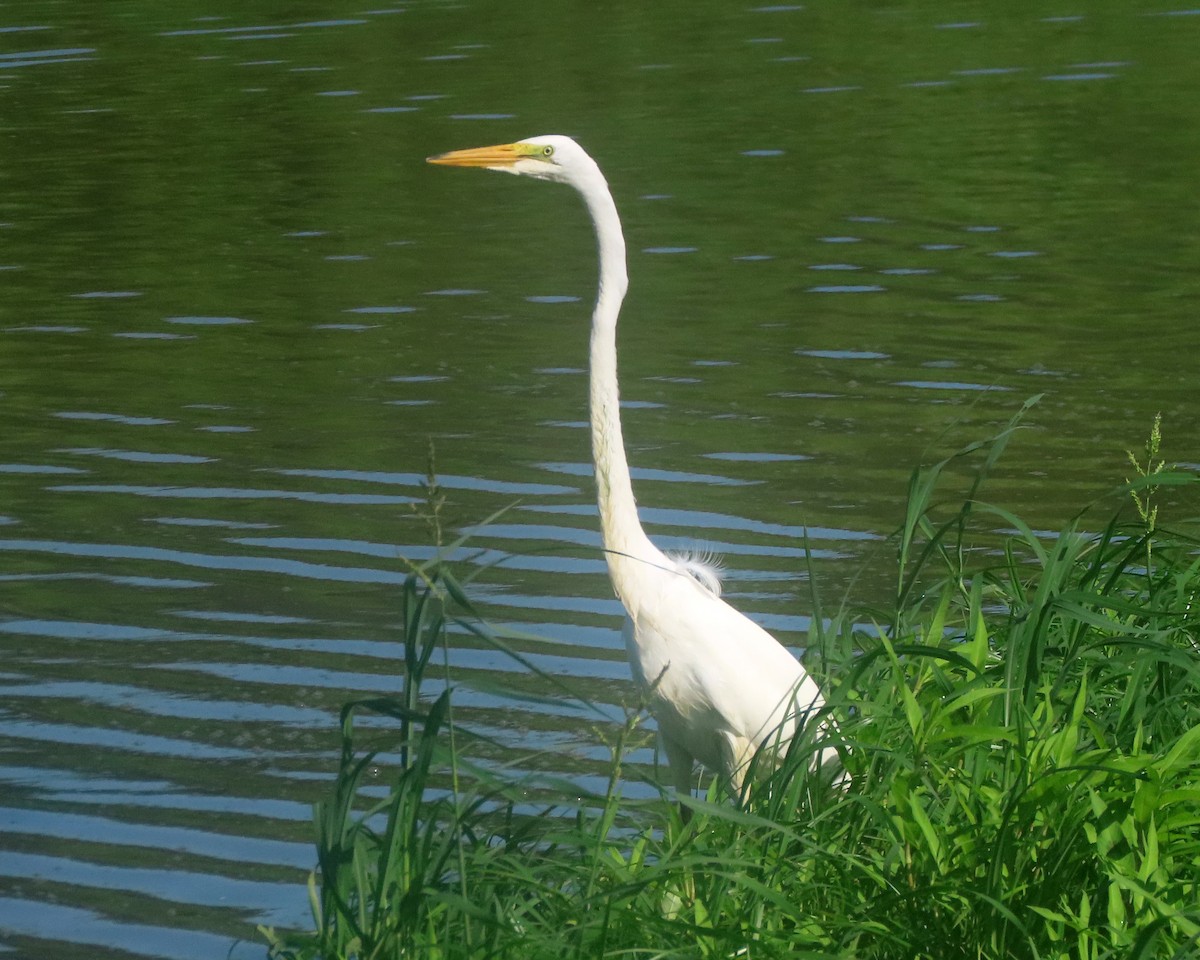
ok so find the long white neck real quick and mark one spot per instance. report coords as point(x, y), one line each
point(626, 544)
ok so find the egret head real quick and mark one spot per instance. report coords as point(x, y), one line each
point(549, 157)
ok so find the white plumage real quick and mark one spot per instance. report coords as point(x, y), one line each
point(719, 685)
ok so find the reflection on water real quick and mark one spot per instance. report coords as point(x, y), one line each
point(239, 311)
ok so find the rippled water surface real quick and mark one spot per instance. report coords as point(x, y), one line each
point(237, 308)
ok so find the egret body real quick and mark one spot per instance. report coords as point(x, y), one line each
point(718, 684)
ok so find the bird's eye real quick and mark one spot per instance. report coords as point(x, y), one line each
point(547, 151)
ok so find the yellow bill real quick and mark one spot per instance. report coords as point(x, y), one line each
point(496, 158)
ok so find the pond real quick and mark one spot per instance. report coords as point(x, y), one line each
point(241, 316)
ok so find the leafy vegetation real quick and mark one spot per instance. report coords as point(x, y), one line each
point(1022, 735)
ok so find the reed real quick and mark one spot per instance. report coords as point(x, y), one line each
point(1021, 731)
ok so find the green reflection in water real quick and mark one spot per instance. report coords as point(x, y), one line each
point(859, 235)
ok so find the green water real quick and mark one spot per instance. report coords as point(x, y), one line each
point(237, 306)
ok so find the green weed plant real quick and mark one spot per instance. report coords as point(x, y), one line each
point(1021, 741)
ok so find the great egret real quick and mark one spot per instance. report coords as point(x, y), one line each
point(718, 684)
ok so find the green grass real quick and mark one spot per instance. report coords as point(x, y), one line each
point(1022, 729)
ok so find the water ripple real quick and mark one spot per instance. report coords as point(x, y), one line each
point(69, 786)
point(116, 580)
point(1078, 76)
point(757, 457)
point(844, 354)
point(448, 481)
point(135, 456)
point(222, 846)
point(55, 922)
point(290, 568)
point(232, 493)
point(116, 417)
point(39, 468)
point(114, 739)
point(949, 385)
point(271, 903)
point(40, 61)
point(208, 31)
point(705, 520)
point(647, 473)
point(159, 704)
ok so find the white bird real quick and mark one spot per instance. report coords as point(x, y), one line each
point(717, 683)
